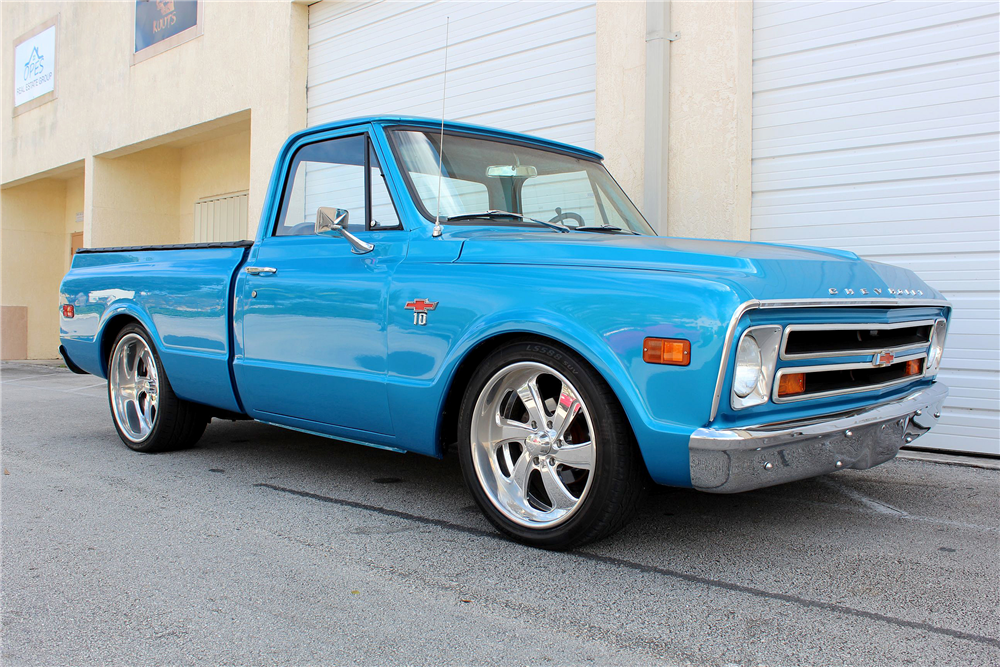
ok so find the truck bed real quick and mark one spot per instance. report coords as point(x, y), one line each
point(182, 294)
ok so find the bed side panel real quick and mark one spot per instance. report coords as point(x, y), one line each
point(181, 296)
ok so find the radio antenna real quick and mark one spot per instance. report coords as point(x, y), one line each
point(444, 96)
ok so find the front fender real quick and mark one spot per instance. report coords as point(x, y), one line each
point(565, 331)
point(605, 323)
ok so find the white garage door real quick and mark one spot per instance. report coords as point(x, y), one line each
point(524, 66)
point(875, 129)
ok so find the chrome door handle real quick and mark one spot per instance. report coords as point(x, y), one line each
point(257, 270)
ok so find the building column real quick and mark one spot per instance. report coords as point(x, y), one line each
point(710, 119)
point(620, 103)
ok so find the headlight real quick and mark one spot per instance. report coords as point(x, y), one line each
point(937, 346)
point(756, 358)
point(748, 367)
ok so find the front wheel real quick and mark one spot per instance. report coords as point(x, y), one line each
point(545, 448)
point(147, 414)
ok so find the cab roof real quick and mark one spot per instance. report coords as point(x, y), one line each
point(431, 123)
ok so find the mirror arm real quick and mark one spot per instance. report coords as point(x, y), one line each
point(334, 220)
point(358, 247)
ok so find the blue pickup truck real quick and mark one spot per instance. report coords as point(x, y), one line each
point(415, 284)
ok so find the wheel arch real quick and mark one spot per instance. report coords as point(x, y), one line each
point(113, 326)
point(465, 368)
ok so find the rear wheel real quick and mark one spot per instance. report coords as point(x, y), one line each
point(147, 414)
point(546, 450)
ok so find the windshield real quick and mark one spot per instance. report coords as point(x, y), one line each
point(484, 175)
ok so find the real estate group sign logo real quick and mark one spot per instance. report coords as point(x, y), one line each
point(35, 60)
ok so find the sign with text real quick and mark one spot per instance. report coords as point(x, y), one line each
point(158, 20)
point(35, 66)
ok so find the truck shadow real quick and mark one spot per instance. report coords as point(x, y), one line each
point(672, 518)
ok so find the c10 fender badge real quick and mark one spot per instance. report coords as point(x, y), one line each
point(420, 308)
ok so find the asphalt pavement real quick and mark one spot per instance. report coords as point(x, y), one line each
point(267, 546)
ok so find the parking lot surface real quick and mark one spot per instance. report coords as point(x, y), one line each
point(266, 546)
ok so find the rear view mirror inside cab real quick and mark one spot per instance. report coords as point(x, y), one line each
point(517, 171)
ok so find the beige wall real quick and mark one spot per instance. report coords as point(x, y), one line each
point(209, 168)
point(251, 57)
point(621, 95)
point(708, 192)
point(134, 198)
point(74, 205)
point(204, 118)
point(32, 252)
point(710, 123)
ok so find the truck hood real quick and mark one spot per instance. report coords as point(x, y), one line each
point(764, 270)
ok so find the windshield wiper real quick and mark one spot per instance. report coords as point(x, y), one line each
point(607, 229)
point(504, 215)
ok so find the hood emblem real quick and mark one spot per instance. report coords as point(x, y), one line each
point(420, 308)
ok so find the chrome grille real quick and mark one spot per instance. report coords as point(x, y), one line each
point(840, 379)
point(816, 341)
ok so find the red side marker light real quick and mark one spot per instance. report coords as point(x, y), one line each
point(69, 311)
point(670, 351)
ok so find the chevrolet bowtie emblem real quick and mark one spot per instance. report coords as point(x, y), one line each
point(420, 308)
point(883, 359)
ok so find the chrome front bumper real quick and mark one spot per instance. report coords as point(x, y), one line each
point(733, 460)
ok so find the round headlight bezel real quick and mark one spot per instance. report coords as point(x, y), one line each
point(936, 349)
point(749, 367)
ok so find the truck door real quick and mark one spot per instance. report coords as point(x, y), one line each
point(311, 312)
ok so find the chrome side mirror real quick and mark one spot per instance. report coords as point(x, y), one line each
point(333, 222)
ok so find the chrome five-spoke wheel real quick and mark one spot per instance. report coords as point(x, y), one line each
point(533, 445)
point(134, 387)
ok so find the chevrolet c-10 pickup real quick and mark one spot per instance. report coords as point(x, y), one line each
point(502, 295)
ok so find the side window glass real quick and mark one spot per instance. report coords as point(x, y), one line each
point(569, 192)
point(328, 173)
point(383, 212)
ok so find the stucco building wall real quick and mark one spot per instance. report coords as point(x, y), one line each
point(709, 115)
point(133, 146)
point(251, 57)
point(209, 168)
point(621, 95)
point(710, 120)
point(74, 206)
point(32, 251)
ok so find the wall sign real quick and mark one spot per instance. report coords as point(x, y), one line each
point(35, 67)
point(163, 24)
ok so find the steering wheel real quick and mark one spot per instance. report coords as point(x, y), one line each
point(301, 229)
point(568, 215)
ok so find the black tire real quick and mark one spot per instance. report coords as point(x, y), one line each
point(177, 424)
point(619, 477)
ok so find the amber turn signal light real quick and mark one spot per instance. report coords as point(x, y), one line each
point(671, 351)
point(913, 367)
point(791, 384)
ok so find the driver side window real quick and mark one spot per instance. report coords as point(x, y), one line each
point(569, 192)
point(332, 173)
